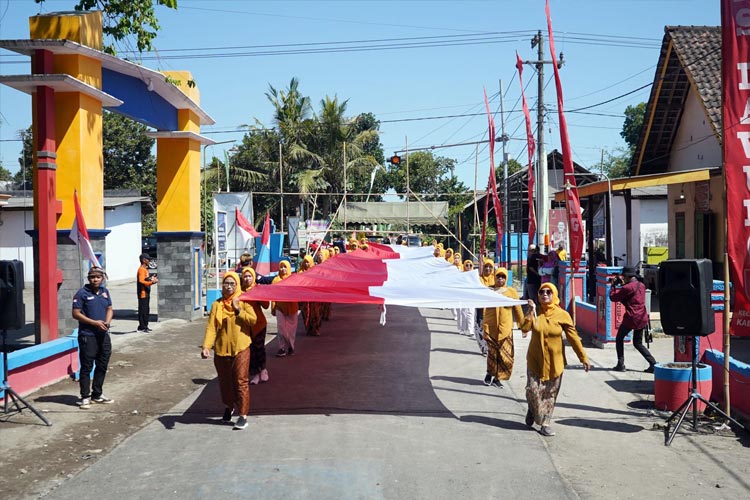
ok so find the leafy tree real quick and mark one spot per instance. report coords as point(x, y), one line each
point(128, 162)
point(127, 18)
point(308, 149)
point(616, 164)
point(425, 174)
point(631, 128)
point(5, 174)
point(25, 172)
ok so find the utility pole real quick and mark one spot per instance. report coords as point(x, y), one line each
point(542, 192)
point(281, 193)
point(408, 187)
point(505, 242)
point(345, 209)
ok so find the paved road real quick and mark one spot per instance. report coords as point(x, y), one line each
point(362, 412)
point(400, 412)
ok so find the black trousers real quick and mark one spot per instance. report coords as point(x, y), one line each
point(93, 348)
point(143, 312)
point(622, 332)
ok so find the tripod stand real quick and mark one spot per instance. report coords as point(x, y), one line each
point(10, 394)
point(692, 401)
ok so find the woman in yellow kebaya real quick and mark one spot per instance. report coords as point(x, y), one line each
point(545, 359)
point(449, 255)
point(228, 333)
point(258, 371)
point(497, 326)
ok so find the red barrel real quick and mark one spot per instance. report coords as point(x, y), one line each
point(672, 384)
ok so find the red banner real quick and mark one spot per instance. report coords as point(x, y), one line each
point(531, 149)
point(735, 75)
point(572, 203)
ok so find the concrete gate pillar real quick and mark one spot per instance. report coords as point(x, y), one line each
point(74, 121)
point(178, 211)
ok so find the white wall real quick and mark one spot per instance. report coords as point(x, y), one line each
point(695, 144)
point(123, 242)
point(649, 227)
point(14, 242)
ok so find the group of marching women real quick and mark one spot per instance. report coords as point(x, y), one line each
point(545, 358)
point(236, 332)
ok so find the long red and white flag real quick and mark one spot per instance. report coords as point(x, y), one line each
point(246, 230)
point(384, 274)
point(263, 257)
point(573, 204)
point(735, 75)
point(80, 235)
point(531, 149)
point(492, 183)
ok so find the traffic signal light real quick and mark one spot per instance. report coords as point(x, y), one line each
point(395, 160)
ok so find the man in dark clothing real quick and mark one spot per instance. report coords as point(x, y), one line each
point(533, 278)
point(632, 295)
point(92, 307)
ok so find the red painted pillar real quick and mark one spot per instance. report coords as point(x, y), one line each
point(48, 208)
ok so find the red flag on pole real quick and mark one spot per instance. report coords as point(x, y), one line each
point(531, 149)
point(735, 52)
point(263, 257)
point(247, 231)
point(573, 204)
point(80, 235)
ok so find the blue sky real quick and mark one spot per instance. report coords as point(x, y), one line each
point(611, 48)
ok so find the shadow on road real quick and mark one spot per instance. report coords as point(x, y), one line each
point(602, 425)
point(355, 366)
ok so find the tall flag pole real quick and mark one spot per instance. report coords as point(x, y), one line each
point(572, 202)
point(492, 181)
point(531, 149)
point(80, 235)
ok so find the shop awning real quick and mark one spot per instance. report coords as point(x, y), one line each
point(626, 183)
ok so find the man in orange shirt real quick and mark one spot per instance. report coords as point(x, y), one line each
point(145, 282)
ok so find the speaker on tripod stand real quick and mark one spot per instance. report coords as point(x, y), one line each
point(685, 307)
point(12, 317)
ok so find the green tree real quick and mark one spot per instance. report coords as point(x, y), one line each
point(631, 128)
point(307, 150)
point(25, 172)
point(128, 161)
point(5, 174)
point(616, 163)
point(426, 172)
point(123, 19)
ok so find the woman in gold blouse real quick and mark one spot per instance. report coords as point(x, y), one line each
point(497, 326)
point(228, 334)
point(545, 360)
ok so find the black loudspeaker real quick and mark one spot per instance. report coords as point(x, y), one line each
point(685, 297)
point(12, 312)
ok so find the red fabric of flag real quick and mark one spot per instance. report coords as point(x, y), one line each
point(80, 234)
point(735, 75)
point(573, 204)
point(531, 149)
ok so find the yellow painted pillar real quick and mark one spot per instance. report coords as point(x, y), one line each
point(178, 164)
point(78, 117)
